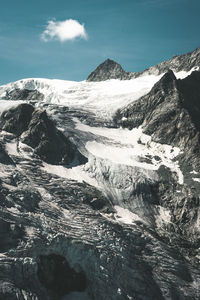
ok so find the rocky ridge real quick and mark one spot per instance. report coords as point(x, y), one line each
point(109, 69)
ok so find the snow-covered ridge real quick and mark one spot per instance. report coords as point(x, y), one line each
point(103, 98)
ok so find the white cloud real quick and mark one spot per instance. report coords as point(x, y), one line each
point(63, 31)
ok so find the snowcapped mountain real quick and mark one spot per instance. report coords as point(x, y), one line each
point(100, 185)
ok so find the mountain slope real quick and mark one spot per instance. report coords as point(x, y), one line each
point(115, 214)
point(169, 113)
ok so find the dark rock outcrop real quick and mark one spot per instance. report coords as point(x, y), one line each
point(40, 132)
point(58, 278)
point(10, 235)
point(49, 143)
point(24, 94)
point(16, 119)
point(4, 157)
point(109, 69)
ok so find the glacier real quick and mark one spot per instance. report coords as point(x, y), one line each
point(125, 223)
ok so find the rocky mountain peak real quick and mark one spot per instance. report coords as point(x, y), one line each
point(109, 69)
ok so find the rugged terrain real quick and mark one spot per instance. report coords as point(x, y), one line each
point(100, 185)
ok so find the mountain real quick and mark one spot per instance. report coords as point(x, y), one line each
point(109, 69)
point(184, 62)
point(169, 113)
point(100, 185)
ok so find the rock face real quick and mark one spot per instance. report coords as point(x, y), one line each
point(184, 62)
point(49, 143)
point(169, 113)
point(56, 275)
point(24, 94)
point(17, 119)
point(40, 133)
point(109, 69)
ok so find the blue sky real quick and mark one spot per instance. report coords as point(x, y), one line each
point(135, 33)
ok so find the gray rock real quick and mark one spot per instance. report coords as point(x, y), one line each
point(49, 143)
point(169, 113)
point(16, 119)
point(24, 94)
point(109, 69)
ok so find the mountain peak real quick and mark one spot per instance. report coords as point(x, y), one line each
point(109, 69)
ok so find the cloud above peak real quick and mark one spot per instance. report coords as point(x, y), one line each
point(63, 31)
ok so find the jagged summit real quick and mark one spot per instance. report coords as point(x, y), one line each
point(109, 69)
point(183, 62)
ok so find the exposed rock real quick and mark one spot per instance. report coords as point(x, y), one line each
point(58, 278)
point(49, 143)
point(10, 235)
point(17, 119)
point(123, 226)
point(24, 94)
point(40, 133)
point(109, 69)
point(4, 157)
point(184, 62)
point(169, 113)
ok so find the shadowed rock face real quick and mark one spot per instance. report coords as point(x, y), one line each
point(49, 143)
point(17, 119)
point(24, 94)
point(169, 112)
point(58, 278)
point(4, 157)
point(10, 235)
point(40, 133)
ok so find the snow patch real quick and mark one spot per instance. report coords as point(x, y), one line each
point(132, 148)
point(194, 172)
point(196, 179)
point(183, 74)
point(126, 216)
point(11, 148)
point(163, 216)
point(75, 173)
point(7, 104)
